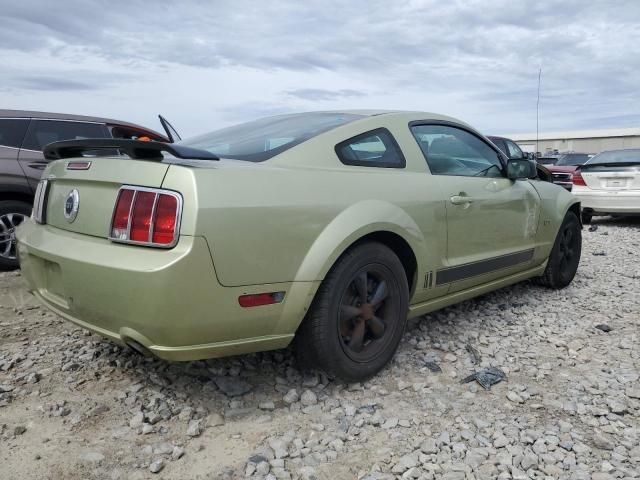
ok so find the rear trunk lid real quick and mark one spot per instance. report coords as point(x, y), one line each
point(97, 188)
point(612, 177)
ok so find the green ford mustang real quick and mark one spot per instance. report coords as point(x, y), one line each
point(330, 228)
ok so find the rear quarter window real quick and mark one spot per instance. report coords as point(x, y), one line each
point(43, 132)
point(12, 131)
point(376, 148)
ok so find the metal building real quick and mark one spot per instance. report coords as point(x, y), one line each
point(585, 141)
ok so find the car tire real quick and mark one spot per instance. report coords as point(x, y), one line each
point(12, 214)
point(358, 315)
point(565, 256)
point(586, 217)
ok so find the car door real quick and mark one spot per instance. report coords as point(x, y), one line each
point(491, 220)
point(12, 131)
point(42, 132)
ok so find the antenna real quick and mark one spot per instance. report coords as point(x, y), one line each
point(538, 111)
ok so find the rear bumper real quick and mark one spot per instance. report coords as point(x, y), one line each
point(608, 201)
point(169, 301)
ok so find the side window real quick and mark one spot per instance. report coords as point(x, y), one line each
point(43, 132)
point(514, 150)
point(376, 148)
point(454, 151)
point(498, 142)
point(12, 131)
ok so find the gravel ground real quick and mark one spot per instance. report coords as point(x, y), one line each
point(75, 406)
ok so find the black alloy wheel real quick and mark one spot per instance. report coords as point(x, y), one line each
point(357, 318)
point(367, 313)
point(565, 256)
point(12, 215)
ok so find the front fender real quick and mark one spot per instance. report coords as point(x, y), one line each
point(555, 203)
point(352, 224)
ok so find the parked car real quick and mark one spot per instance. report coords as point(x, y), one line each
point(547, 160)
point(562, 170)
point(513, 151)
point(23, 135)
point(609, 183)
point(330, 227)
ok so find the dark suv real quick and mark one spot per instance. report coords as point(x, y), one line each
point(23, 135)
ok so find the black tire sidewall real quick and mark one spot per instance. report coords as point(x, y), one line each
point(563, 278)
point(13, 206)
point(331, 354)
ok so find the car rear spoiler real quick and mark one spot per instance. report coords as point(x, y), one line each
point(135, 149)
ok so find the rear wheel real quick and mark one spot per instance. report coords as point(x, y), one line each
point(586, 217)
point(357, 319)
point(12, 214)
point(565, 255)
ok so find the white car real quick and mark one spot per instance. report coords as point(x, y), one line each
point(609, 184)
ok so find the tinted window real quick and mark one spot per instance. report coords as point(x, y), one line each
point(514, 150)
point(12, 132)
point(573, 159)
point(43, 132)
point(262, 139)
point(376, 148)
point(453, 151)
point(498, 142)
point(616, 156)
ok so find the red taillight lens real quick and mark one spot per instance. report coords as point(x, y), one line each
point(255, 300)
point(120, 222)
point(141, 216)
point(164, 222)
point(578, 179)
point(145, 215)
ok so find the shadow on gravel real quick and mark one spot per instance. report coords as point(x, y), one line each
point(625, 222)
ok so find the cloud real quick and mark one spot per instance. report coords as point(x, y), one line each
point(49, 83)
point(320, 94)
point(460, 57)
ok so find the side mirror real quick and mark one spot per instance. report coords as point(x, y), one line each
point(521, 168)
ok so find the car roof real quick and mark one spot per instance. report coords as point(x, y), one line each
point(6, 113)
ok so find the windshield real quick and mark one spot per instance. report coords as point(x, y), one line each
point(616, 156)
point(262, 139)
point(572, 159)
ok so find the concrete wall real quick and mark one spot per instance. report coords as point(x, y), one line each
point(584, 145)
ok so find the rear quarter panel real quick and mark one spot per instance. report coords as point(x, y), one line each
point(268, 225)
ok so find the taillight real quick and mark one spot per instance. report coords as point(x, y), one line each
point(146, 216)
point(141, 216)
point(578, 179)
point(120, 222)
point(164, 220)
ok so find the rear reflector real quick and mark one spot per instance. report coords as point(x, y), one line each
point(146, 216)
point(578, 179)
point(258, 299)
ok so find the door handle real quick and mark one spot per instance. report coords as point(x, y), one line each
point(461, 200)
point(38, 165)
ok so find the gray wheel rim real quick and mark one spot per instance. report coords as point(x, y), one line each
point(8, 224)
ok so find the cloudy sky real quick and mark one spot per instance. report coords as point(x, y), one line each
point(208, 64)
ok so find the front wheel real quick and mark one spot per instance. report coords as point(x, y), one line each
point(358, 316)
point(565, 255)
point(12, 214)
